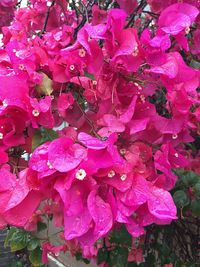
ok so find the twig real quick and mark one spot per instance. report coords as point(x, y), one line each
point(154, 15)
point(47, 18)
point(142, 5)
point(87, 10)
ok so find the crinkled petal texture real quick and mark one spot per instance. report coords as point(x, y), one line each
point(161, 204)
point(64, 155)
point(137, 194)
point(17, 201)
point(14, 90)
point(91, 142)
point(177, 17)
point(86, 213)
point(77, 225)
point(101, 214)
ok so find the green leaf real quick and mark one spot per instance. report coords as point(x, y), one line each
point(86, 261)
point(43, 135)
point(36, 140)
point(132, 264)
point(78, 256)
point(33, 244)
point(19, 240)
point(195, 207)
point(41, 226)
point(190, 178)
point(121, 237)
point(10, 233)
point(102, 255)
point(181, 199)
point(196, 189)
point(187, 178)
point(48, 135)
point(35, 257)
point(195, 64)
point(118, 257)
point(16, 264)
point(89, 75)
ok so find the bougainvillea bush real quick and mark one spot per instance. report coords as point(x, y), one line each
point(100, 127)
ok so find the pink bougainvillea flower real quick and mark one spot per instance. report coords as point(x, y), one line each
point(175, 72)
point(12, 124)
point(3, 157)
point(19, 93)
point(39, 159)
point(60, 155)
point(165, 160)
point(127, 5)
point(137, 194)
point(177, 19)
point(18, 201)
point(113, 123)
point(99, 15)
point(101, 214)
point(64, 155)
point(161, 205)
point(40, 112)
point(64, 102)
point(124, 107)
point(53, 250)
point(101, 154)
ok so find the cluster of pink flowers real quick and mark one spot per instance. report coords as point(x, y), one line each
point(7, 8)
point(113, 160)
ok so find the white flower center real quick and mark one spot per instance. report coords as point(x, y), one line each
point(35, 113)
point(123, 177)
point(111, 174)
point(80, 174)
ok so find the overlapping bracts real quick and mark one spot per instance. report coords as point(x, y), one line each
point(122, 102)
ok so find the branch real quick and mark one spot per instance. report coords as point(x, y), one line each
point(47, 18)
point(142, 5)
point(87, 10)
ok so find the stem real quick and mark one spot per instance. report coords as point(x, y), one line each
point(47, 18)
point(142, 5)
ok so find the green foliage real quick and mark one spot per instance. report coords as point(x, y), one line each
point(79, 257)
point(33, 244)
point(89, 75)
point(102, 255)
point(35, 257)
point(118, 257)
point(41, 226)
point(121, 236)
point(181, 199)
point(22, 242)
point(195, 207)
point(17, 239)
point(186, 193)
point(195, 64)
point(43, 135)
point(117, 254)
